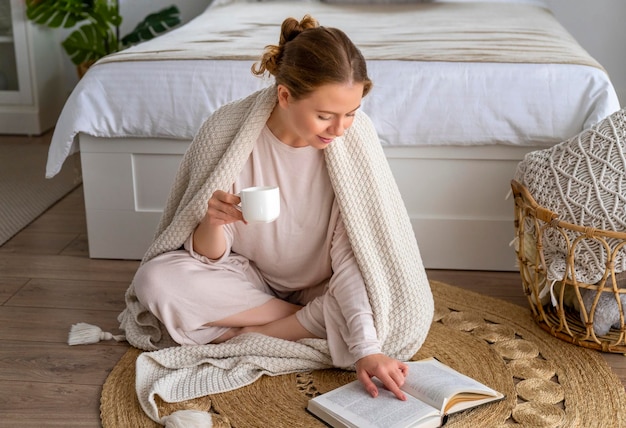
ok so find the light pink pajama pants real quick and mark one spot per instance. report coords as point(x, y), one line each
point(185, 294)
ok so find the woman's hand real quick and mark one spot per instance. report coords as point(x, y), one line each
point(208, 238)
point(389, 371)
point(222, 209)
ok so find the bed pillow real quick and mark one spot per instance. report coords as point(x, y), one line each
point(216, 3)
point(583, 180)
point(374, 1)
point(541, 3)
point(535, 2)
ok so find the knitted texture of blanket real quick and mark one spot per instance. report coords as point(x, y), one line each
point(583, 180)
point(378, 228)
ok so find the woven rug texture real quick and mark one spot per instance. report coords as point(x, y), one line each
point(25, 193)
point(548, 383)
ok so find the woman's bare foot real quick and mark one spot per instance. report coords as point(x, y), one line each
point(272, 310)
point(288, 328)
point(276, 318)
point(232, 332)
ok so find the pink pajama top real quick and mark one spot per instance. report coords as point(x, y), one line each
point(307, 245)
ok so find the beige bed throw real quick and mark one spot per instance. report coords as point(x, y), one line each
point(378, 228)
point(452, 32)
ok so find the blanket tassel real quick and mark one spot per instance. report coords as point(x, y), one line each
point(188, 419)
point(85, 334)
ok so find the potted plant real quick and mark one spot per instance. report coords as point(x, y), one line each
point(99, 20)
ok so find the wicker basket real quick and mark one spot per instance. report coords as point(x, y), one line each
point(564, 314)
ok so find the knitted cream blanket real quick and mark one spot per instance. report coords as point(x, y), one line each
point(378, 228)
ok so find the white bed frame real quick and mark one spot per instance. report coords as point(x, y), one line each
point(456, 198)
point(455, 195)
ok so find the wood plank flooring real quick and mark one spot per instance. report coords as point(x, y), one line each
point(48, 282)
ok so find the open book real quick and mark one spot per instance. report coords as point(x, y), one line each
point(433, 391)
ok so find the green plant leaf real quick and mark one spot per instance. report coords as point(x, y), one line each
point(106, 11)
point(88, 44)
point(153, 25)
point(57, 13)
point(98, 37)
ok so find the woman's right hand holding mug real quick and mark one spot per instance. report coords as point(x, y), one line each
point(208, 238)
point(222, 208)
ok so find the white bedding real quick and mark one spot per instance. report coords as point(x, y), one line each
point(413, 102)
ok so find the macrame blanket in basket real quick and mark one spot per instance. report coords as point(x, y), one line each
point(378, 228)
point(583, 180)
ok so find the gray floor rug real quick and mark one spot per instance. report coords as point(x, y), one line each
point(25, 193)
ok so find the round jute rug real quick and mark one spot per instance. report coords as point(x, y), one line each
point(547, 382)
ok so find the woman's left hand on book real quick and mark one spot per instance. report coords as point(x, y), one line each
point(389, 371)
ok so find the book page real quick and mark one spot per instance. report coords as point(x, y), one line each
point(351, 405)
point(436, 383)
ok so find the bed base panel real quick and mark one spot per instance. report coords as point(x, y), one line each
point(456, 198)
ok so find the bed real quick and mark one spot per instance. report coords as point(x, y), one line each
point(462, 91)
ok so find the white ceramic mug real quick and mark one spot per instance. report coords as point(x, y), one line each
point(260, 204)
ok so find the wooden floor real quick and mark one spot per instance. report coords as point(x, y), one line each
point(48, 282)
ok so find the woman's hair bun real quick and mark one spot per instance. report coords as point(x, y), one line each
point(272, 56)
point(291, 28)
point(308, 56)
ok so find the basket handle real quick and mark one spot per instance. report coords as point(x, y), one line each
point(547, 216)
point(543, 214)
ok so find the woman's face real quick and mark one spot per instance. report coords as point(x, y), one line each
point(317, 119)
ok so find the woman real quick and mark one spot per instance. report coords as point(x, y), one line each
point(298, 277)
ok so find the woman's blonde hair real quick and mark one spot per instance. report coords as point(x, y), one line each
point(309, 56)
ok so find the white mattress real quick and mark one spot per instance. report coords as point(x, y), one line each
point(412, 103)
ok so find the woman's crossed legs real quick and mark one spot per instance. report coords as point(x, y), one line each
point(210, 303)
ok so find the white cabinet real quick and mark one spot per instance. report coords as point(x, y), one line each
point(32, 89)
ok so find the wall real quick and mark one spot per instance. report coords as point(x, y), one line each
point(598, 25)
point(134, 11)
